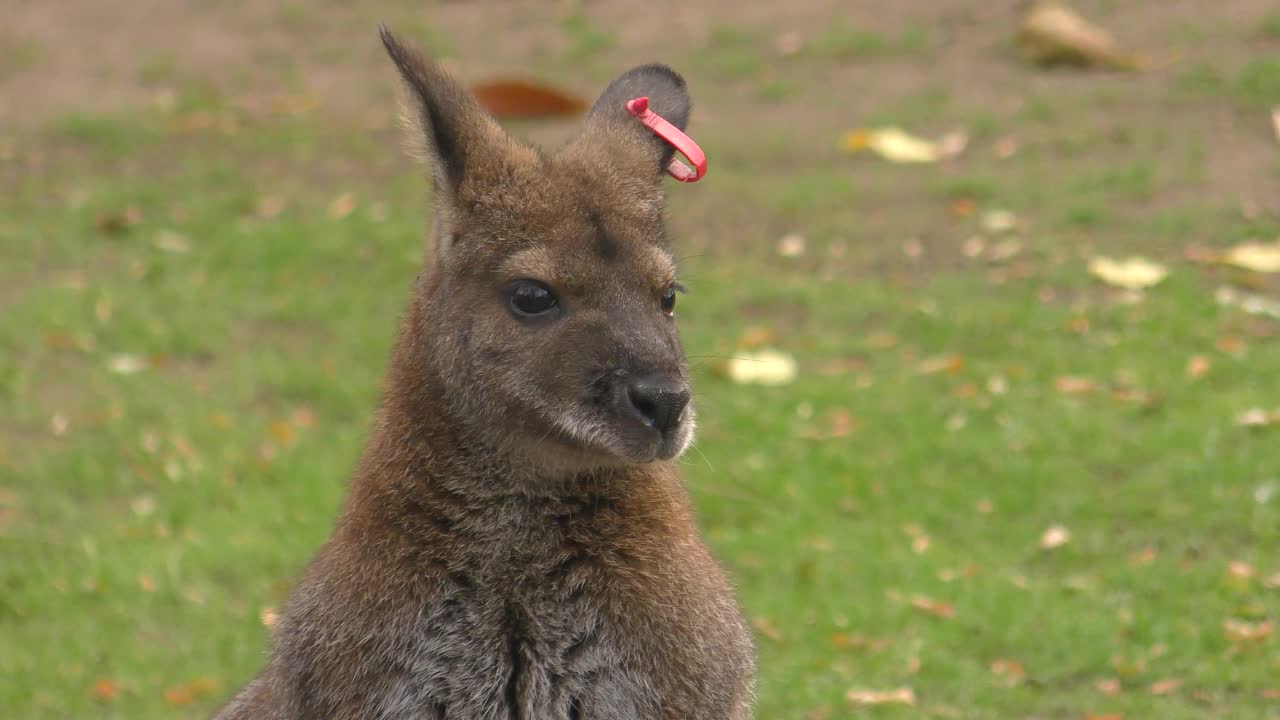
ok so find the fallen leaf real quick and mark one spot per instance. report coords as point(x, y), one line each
point(953, 143)
point(791, 245)
point(900, 696)
point(1248, 302)
point(105, 690)
point(1275, 121)
point(1074, 385)
point(1255, 256)
point(964, 207)
point(1134, 273)
point(1009, 670)
point(342, 206)
point(268, 617)
point(893, 144)
point(1269, 694)
point(763, 367)
point(789, 43)
point(950, 364)
point(1257, 417)
point(766, 628)
point(1006, 148)
point(282, 431)
point(1107, 686)
point(1166, 686)
point(146, 583)
point(172, 242)
point(1197, 366)
point(270, 206)
point(1055, 537)
point(933, 607)
point(1052, 33)
point(1240, 632)
point(506, 98)
point(999, 221)
point(127, 364)
point(844, 641)
point(186, 693)
point(1145, 556)
point(1272, 581)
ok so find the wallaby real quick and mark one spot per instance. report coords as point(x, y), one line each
point(516, 541)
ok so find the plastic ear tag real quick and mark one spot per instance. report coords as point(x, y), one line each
point(639, 108)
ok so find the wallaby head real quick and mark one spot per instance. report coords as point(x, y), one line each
point(545, 325)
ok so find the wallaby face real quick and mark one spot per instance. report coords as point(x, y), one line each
point(516, 542)
point(553, 301)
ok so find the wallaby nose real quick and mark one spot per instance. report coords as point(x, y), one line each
point(657, 402)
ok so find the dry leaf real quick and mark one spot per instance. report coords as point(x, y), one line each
point(146, 583)
point(1257, 417)
point(1006, 148)
point(1258, 257)
point(172, 242)
point(523, 99)
point(950, 364)
point(1197, 366)
point(964, 207)
point(1275, 121)
point(1248, 302)
point(999, 221)
point(282, 431)
point(270, 206)
point(1055, 537)
point(791, 245)
point(1107, 686)
point(1053, 33)
point(1166, 686)
point(933, 607)
point(105, 690)
point(186, 693)
point(755, 337)
point(127, 364)
point(268, 617)
point(1145, 556)
point(342, 206)
point(1134, 273)
point(763, 367)
point(1240, 632)
point(895, 145)
point(766, 628)
point(1074, 385)
point(900, 696)
point(1011, 670)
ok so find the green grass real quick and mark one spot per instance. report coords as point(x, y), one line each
point(147, 519)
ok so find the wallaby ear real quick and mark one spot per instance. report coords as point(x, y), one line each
point(444, 121)
point(609, 122)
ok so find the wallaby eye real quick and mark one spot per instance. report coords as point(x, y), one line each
point(669, 301)
point(530, 298)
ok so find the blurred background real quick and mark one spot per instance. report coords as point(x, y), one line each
point(984, 312)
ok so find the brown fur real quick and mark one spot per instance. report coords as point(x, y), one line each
point(516, 542)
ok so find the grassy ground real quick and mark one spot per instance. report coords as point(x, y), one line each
point(197, 299)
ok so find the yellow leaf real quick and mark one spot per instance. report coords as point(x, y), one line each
point(1258, 257)
point(1108, 686)
point(900, 696)
point(1166, 686)
point(767, 628)
point(1134, 273)
point(1055, 537)
point(764, 367)
point(893, 144)
point(1053, 33)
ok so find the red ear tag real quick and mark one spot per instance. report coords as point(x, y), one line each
point(639, 107)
